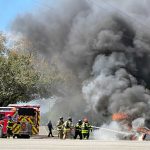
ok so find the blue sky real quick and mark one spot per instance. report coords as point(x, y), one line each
point(9, 9)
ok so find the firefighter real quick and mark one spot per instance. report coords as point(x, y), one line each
point(60, 127)
point(50, 128)
point(9, 127)
point(86, 128)
point(68, 126)
point(78, 130)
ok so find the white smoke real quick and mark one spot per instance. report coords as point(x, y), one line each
point(108, 132)
point(46, 104)
point(137, 123)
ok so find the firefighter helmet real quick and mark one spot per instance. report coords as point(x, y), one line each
point(70, 119)
point(80, 121)
point(61, 118)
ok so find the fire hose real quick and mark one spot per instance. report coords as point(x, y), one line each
point(111, 130)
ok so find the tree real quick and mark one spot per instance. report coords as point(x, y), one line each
point(2, 43)
point(18, 78)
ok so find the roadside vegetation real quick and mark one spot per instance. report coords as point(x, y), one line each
point(22, 75)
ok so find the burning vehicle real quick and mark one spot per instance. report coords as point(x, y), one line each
point(131, 132)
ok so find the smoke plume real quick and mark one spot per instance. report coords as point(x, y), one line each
point(106, 44)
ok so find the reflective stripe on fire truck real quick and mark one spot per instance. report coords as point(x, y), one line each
point(20, 118)
point(35, 130)
point(16, 128)
point(38, 117)
point(38, 120)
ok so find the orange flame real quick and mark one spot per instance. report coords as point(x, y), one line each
point(119, 116)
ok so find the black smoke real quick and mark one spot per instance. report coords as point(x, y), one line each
point(107, 47)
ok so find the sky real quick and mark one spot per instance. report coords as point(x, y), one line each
point(9, 9)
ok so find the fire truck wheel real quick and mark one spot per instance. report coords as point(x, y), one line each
point(4, 136)
point(24, 136)
point(27, 136)
point(18, 136)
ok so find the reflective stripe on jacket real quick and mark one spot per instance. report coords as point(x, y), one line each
point(78, 127)
point(85, 131)
point(86, 127)
point(10, 124)
point(60, 125)
point(68, 125)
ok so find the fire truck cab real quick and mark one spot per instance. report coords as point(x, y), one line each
point(4, 113)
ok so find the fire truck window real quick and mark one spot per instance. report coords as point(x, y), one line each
point(26, 111)
point(2, 116)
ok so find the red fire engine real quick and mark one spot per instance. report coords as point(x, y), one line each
point(26, 120)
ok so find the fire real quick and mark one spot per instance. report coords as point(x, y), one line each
point(119, 116)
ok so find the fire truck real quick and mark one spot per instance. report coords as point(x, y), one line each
point(26, 120)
